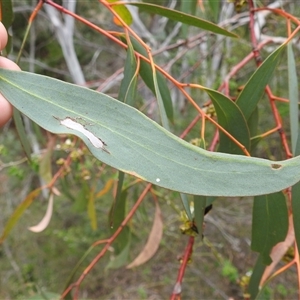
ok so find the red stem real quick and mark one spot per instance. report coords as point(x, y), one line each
point(187, 254)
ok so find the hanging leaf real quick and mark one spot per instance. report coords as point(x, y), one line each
point(91, 210)
point(124, 13)
point(179, 16)
point(43, 224)
point(232, 120)
point(199, 206)
point(296, 202)
point(129, 83)
point(18, 213)
point(254, 89)
point(45, 165)
point(161, 108)
point(269, 223)
point(6, 18)
point(22, 133)
point(293, 96)
point(122, 258)
point(147, 75)
point(256, 276)
point(127, 140)
point(153, 242)
point(187, 206)
point(116, 216)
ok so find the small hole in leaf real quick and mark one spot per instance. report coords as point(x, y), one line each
point(276, 166)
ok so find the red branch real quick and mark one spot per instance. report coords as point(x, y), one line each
point(187, 254)
point(106, 247)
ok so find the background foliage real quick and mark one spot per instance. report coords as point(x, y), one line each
point(91, 199)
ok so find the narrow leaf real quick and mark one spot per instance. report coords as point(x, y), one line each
point(270, 223)
point(186, 204)
point(45, 165)
point(232, 120)
point(6, 10)
point(199, 206)
point(129, 82)
point(6, 18)
point(123, 13)
point(296, 202)
point(122, 258)
point(43, 224)
point(188, 7)
point(75, 269)
point(179, 16)
point(293, 96)
point(22, 133)
point(116, 217)
point(162, 111)
point(215, 8)
point(253, 123)
point(18, 213)
point(153, 242)
point(254, 89)
point(256, 276)
point(117, 199)
point(147, 76)
point(91, 210)
point(138, 146)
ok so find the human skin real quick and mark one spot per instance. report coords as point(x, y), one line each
point(5, 107)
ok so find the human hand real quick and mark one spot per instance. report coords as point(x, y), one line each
point(5, 107)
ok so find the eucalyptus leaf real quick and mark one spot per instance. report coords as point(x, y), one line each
point(129, 83)
point(296, 203)
point(187, 206)
point(158, 85)
point(231, 118)
point(254, 88)
point(179, 16)
point(270, 223)
point(293, 96)
point(124, 138)
point(258, 270)
point(6, 17)
point(199, 207)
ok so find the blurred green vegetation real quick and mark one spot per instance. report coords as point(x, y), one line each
point(37, 263)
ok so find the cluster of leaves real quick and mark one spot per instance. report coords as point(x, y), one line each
point(122, 137)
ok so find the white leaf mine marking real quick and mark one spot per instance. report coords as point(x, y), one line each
point(96, 142)
point(157, 179)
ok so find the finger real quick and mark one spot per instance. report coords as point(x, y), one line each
point(5, 107)
point(3, 37)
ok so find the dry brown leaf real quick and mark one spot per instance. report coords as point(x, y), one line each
point(279, 250)
point(153, 242)
point(46, 219)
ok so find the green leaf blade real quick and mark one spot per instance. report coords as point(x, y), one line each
point(296, 203)
point(254, 89)
point(129, 83)
point(232, 120)
point(293, 96)
point(199, 206)
point(182, 17)
point(270, 223)
point(138, 146)
point(158, 84)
